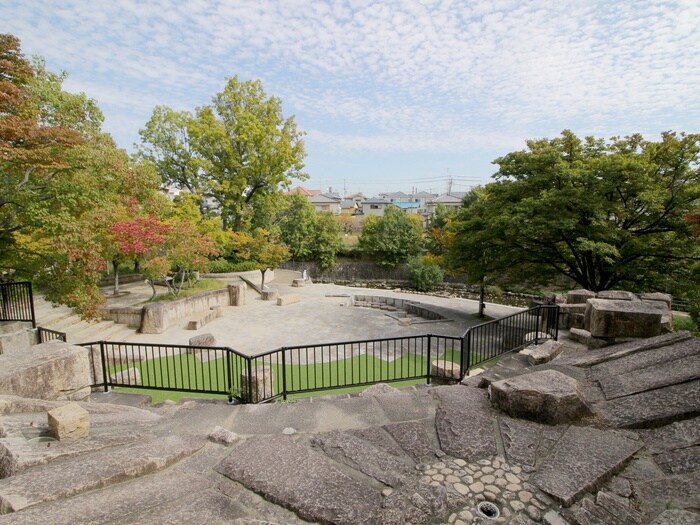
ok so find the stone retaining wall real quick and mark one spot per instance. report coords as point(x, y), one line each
point(157, 317)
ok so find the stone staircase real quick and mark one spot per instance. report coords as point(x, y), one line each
point(64, 319)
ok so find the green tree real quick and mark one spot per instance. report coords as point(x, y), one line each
point(263, 247)
point(297, 227)
point(393, 238)
point(326, 239)
point(603, 213)
point(240, 150)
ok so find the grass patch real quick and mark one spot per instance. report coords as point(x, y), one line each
point(203, 285)
point(684, 322)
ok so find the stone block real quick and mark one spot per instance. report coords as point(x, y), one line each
point(70, 422)
point(259, 386)
point(543, 353)
point(53, 371)
point(269, 295)
point(610, 319)
point(617, 295)
point(204, 318)
point(657, 297)
point(20, 340)
point(445, 373)
point(130, 376)
point(203, 340)
point(223, 437)
point(287, 299)
point(237, 293)
point(547, 396)
point(579, 296)
point(298, 283)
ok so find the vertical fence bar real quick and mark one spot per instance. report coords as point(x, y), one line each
point(104, 366)
point(250, 380)
point(31, 304)
point(284, 373)
point(428, 365)
point(229, 379)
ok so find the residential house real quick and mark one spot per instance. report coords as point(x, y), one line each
point(451, 201)
point(375, 206)
point(326, 202)
point(412, 208)
point(300, 190)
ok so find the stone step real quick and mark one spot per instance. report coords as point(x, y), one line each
point(54, 318)
point(64, 479)
point(102, 331)
point(69, 324)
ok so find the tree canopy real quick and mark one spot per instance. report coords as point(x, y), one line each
point(392, 238)
point(603, 213)
point(238, 151)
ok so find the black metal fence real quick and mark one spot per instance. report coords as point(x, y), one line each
point(46, 335)
point(17, 302)
point(311, 368)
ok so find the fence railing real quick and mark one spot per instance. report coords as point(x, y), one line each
point(46, 335)
point(17, 302)
point(492, 339)
point(310, 368)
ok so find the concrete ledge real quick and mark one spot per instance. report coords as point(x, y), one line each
point(287, 299)
point(157, 317)
point(204, 318)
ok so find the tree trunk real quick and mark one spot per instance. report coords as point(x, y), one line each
point(482, 304)
point(262, 283)
point(116, 277)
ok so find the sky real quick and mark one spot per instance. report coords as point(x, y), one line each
point(392, 95)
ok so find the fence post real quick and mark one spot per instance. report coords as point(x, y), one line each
point(461, 359)
point(556, 322)
point(250, 380)
point(229, 379)
point(284, 373)
point(31, 304)
point(429, 365)
point(539, 324)
point(468, 337)
point(104, 366)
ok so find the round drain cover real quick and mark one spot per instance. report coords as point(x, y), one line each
point(488, 510)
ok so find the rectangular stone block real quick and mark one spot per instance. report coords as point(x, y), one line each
point(298, 283)
point(658, 297)
point(205, 317)
point(617, 295)
point(237, 293)
point(203, 340)
point(269, 295)
point(287, 299)
point(259, 386)
point(611, 319)
point(579, 296)
point(70, 422)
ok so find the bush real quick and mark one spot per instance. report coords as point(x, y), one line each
point(424, 276)
point(682, 322)
point(226, 266)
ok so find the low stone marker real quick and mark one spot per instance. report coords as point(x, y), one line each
point(543, 353)
point(269, 295)
point(203, 340)
point(547, 396)
point(298, 283)
point(130, 376)
point(204, 318)
point(236, 293)
point(69, 423)
point(259, 387)
point(287, 299)
point(445, 373)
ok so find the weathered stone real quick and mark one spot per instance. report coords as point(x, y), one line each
point(363, 456)
point(98, 469)
point(413, 438)
point(298, 283)
point(55, 370)
point(552, 517)
point(617, 295)
point(203, 340)
point(20, 340)
point(130, 376)
point(524, 439)
point(222, 436)
point(287, 299)
point(676, 517)
point(680, 434)
point(543, 353)
point(378, 389)
point(582, 460)
point(619, 507)
point(301, 479)
point(464, 422)
point(682, 490)
point(269, 295)
point(445, 372)
point(69, 423)
point(571, 315)
point(237, 293)
point(579, 296)
point(610, 319)
point(679, 461)
point(202, 318)
point(259, 386)
point(652, 408)
point(546, 396)
point(658, 297)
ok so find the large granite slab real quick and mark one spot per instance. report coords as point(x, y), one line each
point(363, 456)
point(413, 438)
point(380, 438)
point(652, 408)
point(682, 490)
point(99, 469)
point(680, 434)
point(676, 517)
point(525, 441)
point(582, 460)
point(615, 318)
point(464, 422)
point(680, 461)
point(649, 357)
point(669, 372)
point(292, 475)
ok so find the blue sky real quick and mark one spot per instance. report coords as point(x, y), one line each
point(392, 95)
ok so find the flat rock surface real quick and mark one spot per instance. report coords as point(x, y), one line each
point(582, 459)
point(364, 457)
point(527, 441)
point(413, 438)
point(676, 517)
point(680, 434)
point(291, 474)
point(682, 490)
point(63, 479)
point(464, 422)
point(653, 408)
